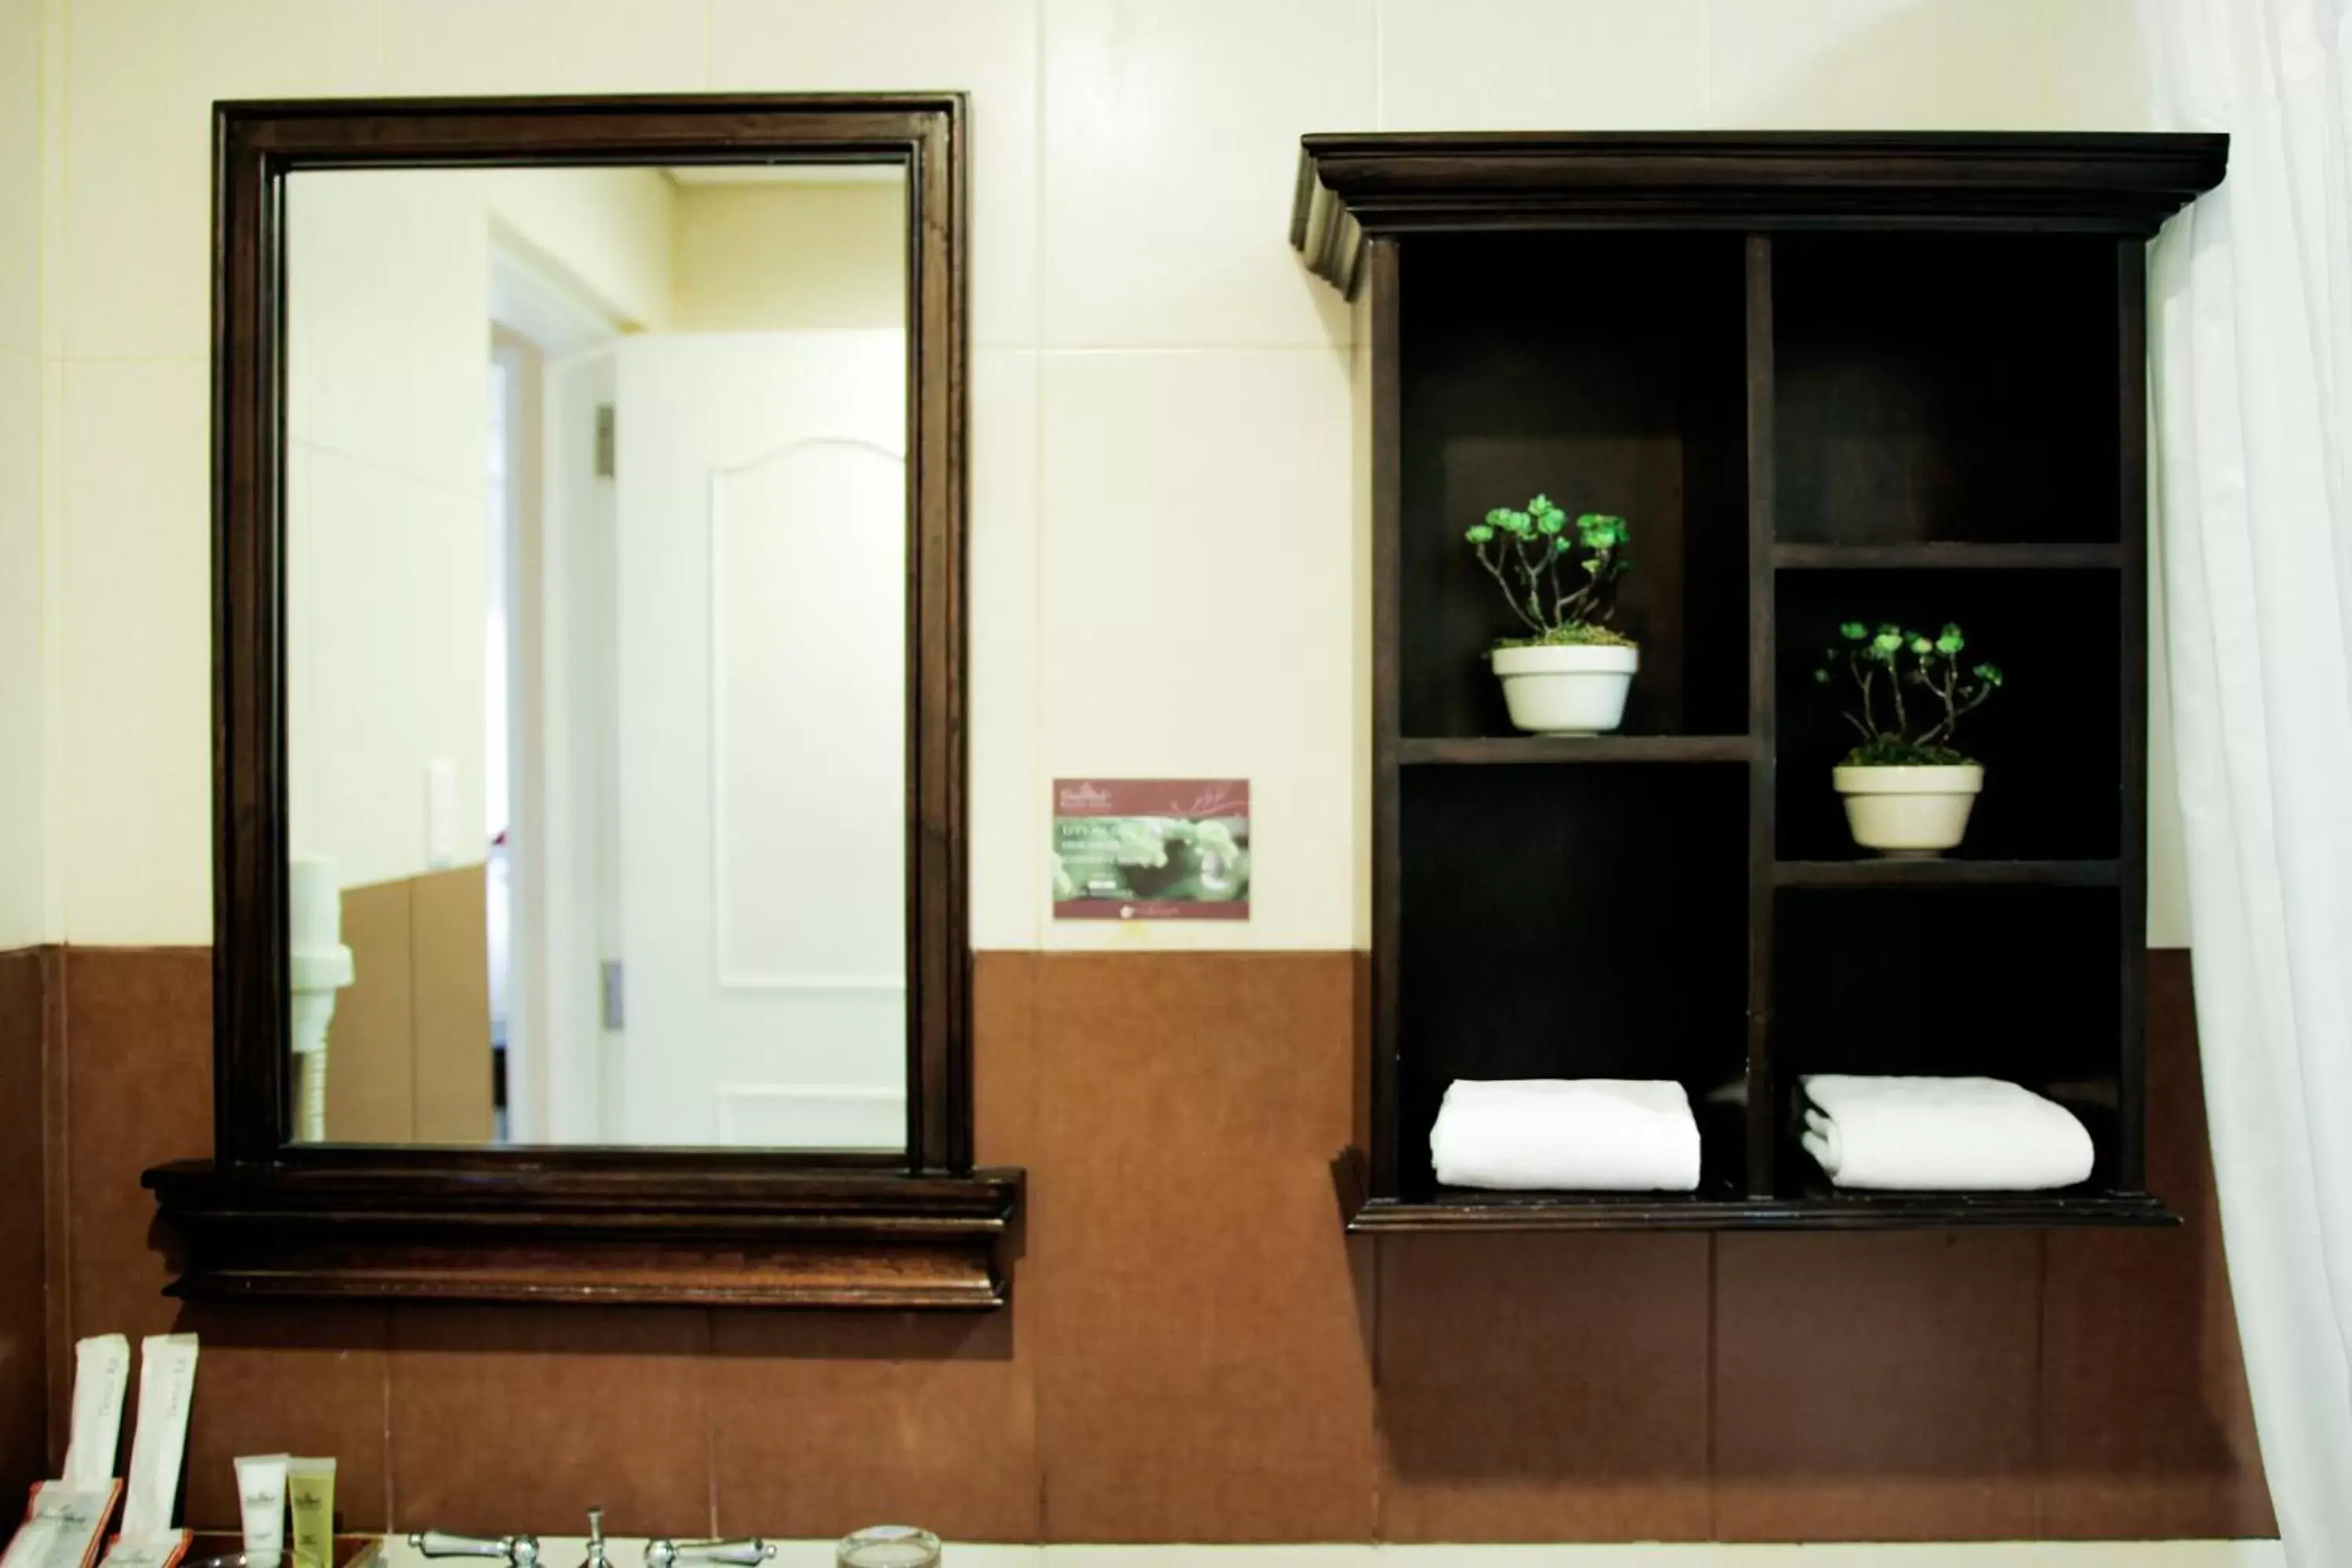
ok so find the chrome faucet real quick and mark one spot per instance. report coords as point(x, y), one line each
point(596, 1558)
point(747, 1552)
point(516, 1550)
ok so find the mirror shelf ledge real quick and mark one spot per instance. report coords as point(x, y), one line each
point(700, 1228)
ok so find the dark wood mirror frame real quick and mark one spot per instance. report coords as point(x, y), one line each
point(266, 1218)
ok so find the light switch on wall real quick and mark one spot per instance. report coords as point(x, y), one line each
point(440, 813)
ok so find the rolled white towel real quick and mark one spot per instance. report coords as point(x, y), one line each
point(1591, 1134)
point(1941, 1134)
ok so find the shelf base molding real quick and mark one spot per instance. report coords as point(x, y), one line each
point(716, 1231)
point(1456, 1211)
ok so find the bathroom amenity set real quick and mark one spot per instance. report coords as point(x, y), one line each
point(1907, 1135)
point(267, 1486)
point(65, 1519)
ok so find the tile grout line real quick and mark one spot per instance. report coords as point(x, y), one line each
point(57, 1221)
point(1714, 1337)
point(390, 1489)
point(1040, 893)
point(1040, 789)
point(53, 137)
point(2040, 1375)
point(1380, 1427)
point(1037, 1446)
point(705, 1377)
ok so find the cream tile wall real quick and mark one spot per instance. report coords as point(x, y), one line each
point(847, 244)
point(21, 831)
point(1167, 550)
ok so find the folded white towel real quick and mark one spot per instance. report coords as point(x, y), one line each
point(1941, 1134)
point(1593, 1133)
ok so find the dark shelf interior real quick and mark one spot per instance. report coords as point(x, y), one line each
point(2019, 984)
point(1946, 386)
point(1531, 895)
point(1607, 372)
point(2050, 739)
point(1805, 424)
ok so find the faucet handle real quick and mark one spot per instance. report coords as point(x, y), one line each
point(519, 1550)
point(748, 1552)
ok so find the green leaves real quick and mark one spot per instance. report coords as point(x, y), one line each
point(1526, 551)
point(1600, 532)
point(1919, 675)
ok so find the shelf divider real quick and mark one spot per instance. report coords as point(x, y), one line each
point(1385, 263)
point(1763, 793)
point(1946, 556)
point(1943, 873)
point(1473, 750)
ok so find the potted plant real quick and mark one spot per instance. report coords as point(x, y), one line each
point(1569, 675)
point(1907, 792)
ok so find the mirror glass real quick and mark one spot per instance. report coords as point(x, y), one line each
point(596, 588)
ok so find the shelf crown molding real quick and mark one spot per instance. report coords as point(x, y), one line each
point(1354, 187)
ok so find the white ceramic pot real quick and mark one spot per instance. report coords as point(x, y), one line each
point(1567, 691)
point(1909, 812)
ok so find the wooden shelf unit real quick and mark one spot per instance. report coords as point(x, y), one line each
point(1826, 377)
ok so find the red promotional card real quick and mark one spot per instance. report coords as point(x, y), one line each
point(1152, 849)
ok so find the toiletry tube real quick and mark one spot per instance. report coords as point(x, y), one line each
point(311, 1484)
point(102, 1372)
point(261, 1499)
point(63, 1525)
point(167, 1386)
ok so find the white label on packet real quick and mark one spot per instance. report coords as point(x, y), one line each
point(160, 1552)
point(61, 1526)
point(102, 1372)
point(167, 1385)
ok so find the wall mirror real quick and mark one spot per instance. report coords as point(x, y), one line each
point(588, 707)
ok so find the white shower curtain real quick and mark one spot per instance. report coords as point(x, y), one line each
point(2252, 299)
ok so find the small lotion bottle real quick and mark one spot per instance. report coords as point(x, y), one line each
point(261, 1495)
point(311, 1483)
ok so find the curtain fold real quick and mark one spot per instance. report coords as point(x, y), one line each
point(2250, 299)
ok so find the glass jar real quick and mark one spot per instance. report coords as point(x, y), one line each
point(889, 1546)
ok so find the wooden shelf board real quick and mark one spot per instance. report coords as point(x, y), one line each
point(1467, 1211)
point(1948, 556)
point(1478, 749)
point(1954, 873)
point(1457, 1210)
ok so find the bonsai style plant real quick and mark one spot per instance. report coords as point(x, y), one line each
point(1907, 790)
point(1569, 675)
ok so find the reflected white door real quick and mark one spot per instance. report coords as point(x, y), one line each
point(760, 727)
